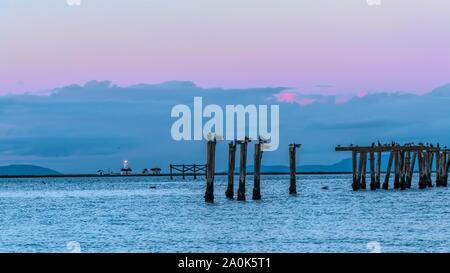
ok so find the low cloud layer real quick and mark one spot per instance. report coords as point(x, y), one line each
point(97, 125)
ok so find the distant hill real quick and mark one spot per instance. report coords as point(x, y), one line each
point(25, 170)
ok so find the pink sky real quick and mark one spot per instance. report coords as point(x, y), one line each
point(321, 46)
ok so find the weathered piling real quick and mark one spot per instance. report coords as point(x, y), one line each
point(378, 177)
point(211, 151)
point(438, 159)
point(422, 174)
point(292, 167)
point(411, 170)
point(407, 169)
point(373, 181)
point(402, 170)
point(242, 169)
point(257, 170)
point(388, 171)
point(355, 184)
point(399, 159)
point(397, 170)
point(429, 169)
point(364, 169)
point(445, 169)
point(231, 165)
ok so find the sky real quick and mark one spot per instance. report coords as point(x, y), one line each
point(83, 87)
point(318, 47)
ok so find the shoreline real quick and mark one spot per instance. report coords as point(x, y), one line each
point(159, 175)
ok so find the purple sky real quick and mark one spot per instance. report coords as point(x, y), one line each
point(320, 46)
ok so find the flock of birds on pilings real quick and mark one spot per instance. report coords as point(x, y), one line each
point(403, 158)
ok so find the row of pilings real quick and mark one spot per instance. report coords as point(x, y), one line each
point(402, 159)
point(257, 158)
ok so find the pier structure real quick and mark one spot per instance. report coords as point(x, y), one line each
point(186, 169)
point(259, 148)
point(402, 159)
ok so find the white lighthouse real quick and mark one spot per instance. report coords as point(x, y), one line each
point(126, 170)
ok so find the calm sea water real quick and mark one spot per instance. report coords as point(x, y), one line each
point(126, 215)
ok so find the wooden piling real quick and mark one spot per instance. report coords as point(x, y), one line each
point(429, 169)
point(446, 170)
point(231, 165)
point(422, 182)
point(171, 173)
point(373, 182)
point(242, 170)
point(257, 172)
point(411, 170)
point(355, 184)
point(378, 177)
point(388, 171)
point(195, 171)
point(364, 169)
point(211, 151)
point(438, 159)
point(292, 168)
point(397, 170)
point(407, 168)
point(402, 171)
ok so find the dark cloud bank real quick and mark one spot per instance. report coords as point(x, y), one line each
point(96, 126)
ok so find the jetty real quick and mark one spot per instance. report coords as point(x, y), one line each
point(402, 159)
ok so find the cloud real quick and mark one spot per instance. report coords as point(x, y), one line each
point(82, 128)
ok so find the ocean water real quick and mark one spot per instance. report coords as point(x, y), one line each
point(123, 214)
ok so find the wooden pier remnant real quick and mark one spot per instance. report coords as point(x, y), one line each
point(257, 169)
point(188, 169)
point(211, 153)
point(242, 168)
point(292, 167)
point(231, 164)
point(442, 168)
point(403, 164)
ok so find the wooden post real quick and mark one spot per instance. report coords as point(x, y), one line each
point(292, 168)
point(388, 171)
point(195, 172)
point(183, 171)
point(411, 170)
point(360, 172)
point(171, 174)
point(243, 170)
point(364, 169)
point(257, 171)
point(407, 168)
point(372, 171)
point(355, 184)
point(397, 170)
point(211, 150)
point(422, 183)
point(378, 183)
point(438, 168)
point(430, 167)
point(402, 171)
point(231, 163)
point(446, 169)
